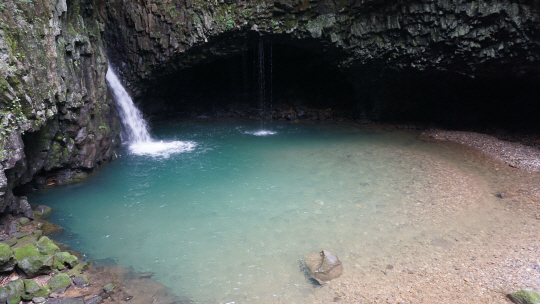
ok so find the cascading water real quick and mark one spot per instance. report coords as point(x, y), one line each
point(261, 82)
point(135, 127)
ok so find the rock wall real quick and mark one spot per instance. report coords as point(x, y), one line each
point(376, 43)
point(58, 121)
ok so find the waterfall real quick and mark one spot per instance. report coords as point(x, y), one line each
point(260, 73)
point(135, 127)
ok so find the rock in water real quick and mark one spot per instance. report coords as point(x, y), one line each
point(323, 266)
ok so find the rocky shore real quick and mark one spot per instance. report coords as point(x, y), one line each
point(35, 269)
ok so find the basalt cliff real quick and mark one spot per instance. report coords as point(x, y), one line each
point(434, 60)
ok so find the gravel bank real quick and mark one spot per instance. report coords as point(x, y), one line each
point(511, 153)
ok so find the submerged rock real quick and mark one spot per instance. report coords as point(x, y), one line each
point(323, 266)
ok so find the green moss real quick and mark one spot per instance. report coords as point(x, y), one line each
point(24, 252)
point(59, 282)
point(5, 253)
point(46, 246)
point(63, 259)
point(33, 290)
point(525, 296)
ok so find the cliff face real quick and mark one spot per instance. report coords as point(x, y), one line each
point(58, 121)
point(385, 48)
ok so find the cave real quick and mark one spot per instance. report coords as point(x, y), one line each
point(209, 151)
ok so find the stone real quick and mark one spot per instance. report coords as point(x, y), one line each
point(38, 300)
point(11, 241)
point(46, 246)
point(323, 266)
point(63, 259)
point(37, 233)
point(11, 294)
point(24, 220)
point(33, 290)
point(109, 287)
point(42, 211)
point(94, 300)
point(65, 301)
point(59, 283)
point(20, 235)
point(81, 280)
point(525, 296)
point(27, 239)
point(7, 262)
point(5, 253)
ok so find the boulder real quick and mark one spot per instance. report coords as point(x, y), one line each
point(323, 266)
point(81, 280)
point(7, 262)
point(63, 259)
point(46, 246)
point(31, 261)
point(33, 290)
point(59, 283)
point(11, 294)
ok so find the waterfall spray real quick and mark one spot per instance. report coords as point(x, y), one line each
point(135, 127)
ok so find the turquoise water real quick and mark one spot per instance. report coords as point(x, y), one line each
point(231, 219)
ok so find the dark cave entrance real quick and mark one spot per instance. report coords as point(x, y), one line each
point(262, 79)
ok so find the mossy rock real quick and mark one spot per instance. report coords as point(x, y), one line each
point(26, 251)
point(37, 233)
point(78, 269)
point(59, 283)
point(24, 220)
point(33, 290)
point(10, 242)
point(525, 296)
point(81, 280)
point(42, 211)
point(5, 253)
point(46, 246)
point(25, 241)
point(63, 259)
point(109, 287)
point(49, 228)
point(33, 266)
point(11, 294)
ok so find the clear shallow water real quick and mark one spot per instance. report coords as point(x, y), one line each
point(230, 219)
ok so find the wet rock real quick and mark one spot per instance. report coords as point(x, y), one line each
point(33, 290)
point(525, 296)
point(109, 287)
point(81, 280)
point(323, 266)
point(31, 262)
point(63, 259)
point(42, 210)
point(59, 283)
